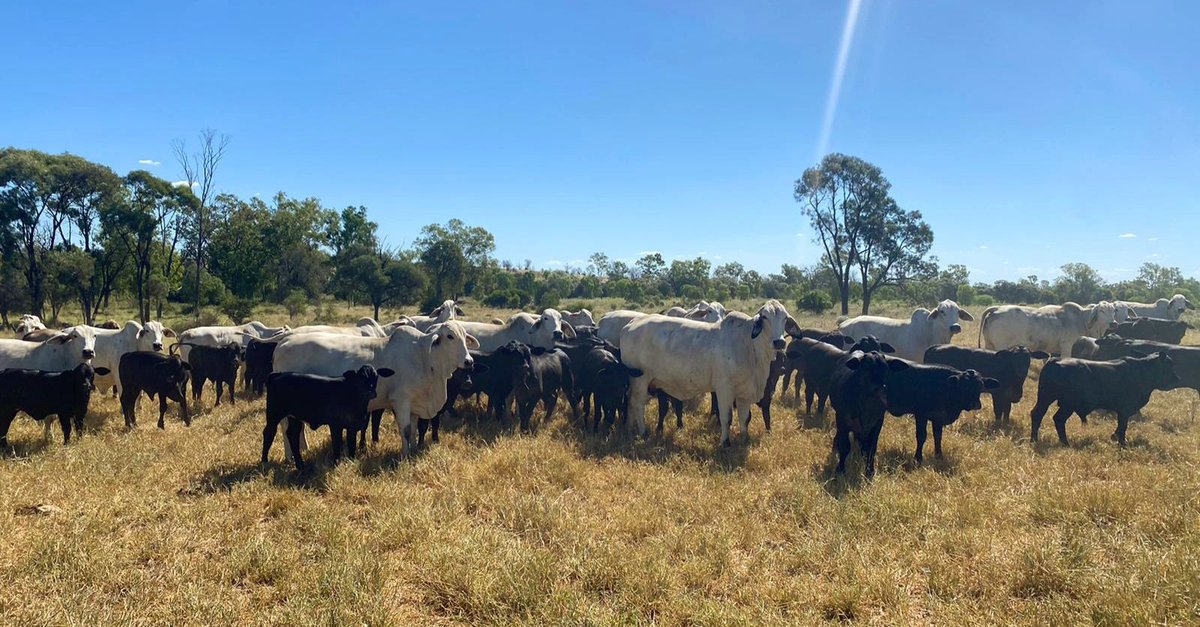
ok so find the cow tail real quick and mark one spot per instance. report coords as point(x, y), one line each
point(983, 323)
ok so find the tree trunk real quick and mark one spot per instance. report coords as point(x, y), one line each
point(844, 289)
point(866, 305)
point(376, 305)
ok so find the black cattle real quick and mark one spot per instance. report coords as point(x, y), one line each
point(42, 394)
point(497, 381)
point(794, 365)
point(260, 358)
point(1009, 367)
point(603, 383)
point(858, 393)
point(934, 394)
point(821, 360)
point(156, 375)
point(1081, 386)
point(307, 399)
point(1186, 359)
point(1153, 329)
point(216, 364)
point(548, 373)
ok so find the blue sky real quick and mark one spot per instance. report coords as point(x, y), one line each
point(1030, 134)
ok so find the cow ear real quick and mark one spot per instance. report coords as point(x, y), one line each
point(853, 363)
point(933, 315)
point(896, 365)
point(61, 338)
point(141, 333)
point(791, 327)
point(887, 348)
point(634, 372)
point(758, 326)
point(990, 383)
point(168, 332)
point(568, 330)
point(1039, 354)
point(537, 350)
point(429, 341)
point(458, 311)
point(478, 368)
point(963, 314)
point(102, 371)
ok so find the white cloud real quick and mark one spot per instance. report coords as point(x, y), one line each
point(184, 184)
point(1126, 236)
point(649, 252)
point(149, 162)
point(1153, 256)
point(1152, 239)
point(553, 263)
point(577, 262)
point(983, 247)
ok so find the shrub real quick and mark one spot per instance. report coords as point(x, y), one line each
point(296, 304)
point(238, 309)
point(511, 298)
point(965, 295)
point(814, 301)
point(984, 300)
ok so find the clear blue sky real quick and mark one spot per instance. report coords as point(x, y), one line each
point(1030, 134)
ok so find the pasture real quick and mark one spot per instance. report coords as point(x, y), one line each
point(566, 527)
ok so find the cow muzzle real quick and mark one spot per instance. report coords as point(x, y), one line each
point(157, 347)
point(89, 354)
point(955, 328)
point(779, 344)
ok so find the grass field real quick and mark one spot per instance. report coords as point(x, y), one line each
point(490, 527)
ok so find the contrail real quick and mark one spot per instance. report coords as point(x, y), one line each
point(839, 72)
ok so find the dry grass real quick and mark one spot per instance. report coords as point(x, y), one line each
point(182, 527)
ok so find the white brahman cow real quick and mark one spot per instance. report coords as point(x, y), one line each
point(537, 331)
point(423, 362)
point(444, 312)
point(910, 337)
point(581, 318)
point(687, 358)
point(218, 336)
point(29, 322)
point(110, 345)
point(1052, 329)
point(63, 351)
point(610, 324)
point(1166, 309)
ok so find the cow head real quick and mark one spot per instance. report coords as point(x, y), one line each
point(872, 368)
point(869, 343)
point(963, 390)
point(1122, 311)
point(450, 346)
point(548, 328)
point(1101, 318)
point(446, 311)
point(365, 380)
point(774, 319)
point(1016, 362)
point(80, 338)
point(845, 341)
point(517, 358)
point(1177, 305)
point(150, 336)
point(946, 315)
point(1159, 370)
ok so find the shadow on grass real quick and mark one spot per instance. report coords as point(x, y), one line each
point(280, 472)
point(613, 440)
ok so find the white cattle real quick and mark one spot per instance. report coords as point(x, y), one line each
point(29, 322)
point(703, 311)
point(910, 337)
point(111, 344)
point(1053, 328)
point(423, 362)
point(536, 331)
point(610, 324)
point(365, 327)
point(218, 336)
point(1166, 309)
point(63, 351)
point(444, 312)
point(581, 318)
point(688, 358)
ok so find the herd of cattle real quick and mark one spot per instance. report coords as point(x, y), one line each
point(1107, 356)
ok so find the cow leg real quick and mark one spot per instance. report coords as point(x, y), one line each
point(422, 427)
point(46, 422)
point(726, 417)
point(1035, 417)
point(335, 439)
point(1000, 408)
point(1122, 424)
point(437, 424)
point(639, 393)
point(376, 418)
point(712, 400)
point(351, 449)
point(677, 405)
point(841, 444)
point(821, 397)
point(230, 386)
point(402, 411)
point(162, 411)
point(197, 389)
point(937, 438)
point(1060, 424)
point(743, 410)
point(5, 422)
point(550, 401)
point(295, 428)
point(922, 433)
point(64, 421)
point(218, 385)
point(765, 406)
point(128, 401)
point(869, 445)
point(663, 408)
point(269, 437)
point(809, 393)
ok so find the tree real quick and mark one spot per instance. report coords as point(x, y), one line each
point(199, 169)
point(683, 272)
point(447, 269)
point(382, 279)
point(474, 243)
point(598, 264)
point(892, 249)
point(1079, 283)
point(651, 267)
point(1159, 281)
point(839, 196)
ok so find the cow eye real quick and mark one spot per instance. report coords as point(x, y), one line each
point(449, 336)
